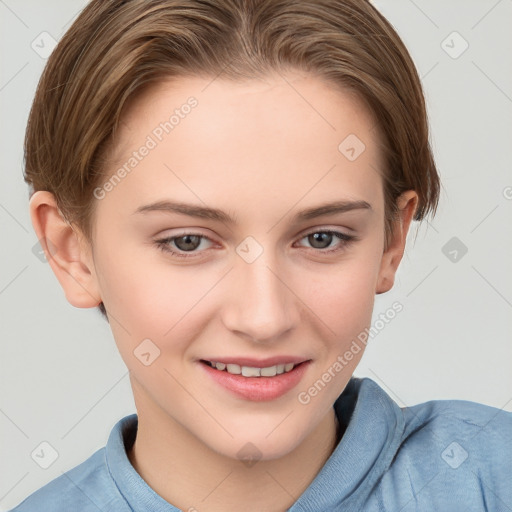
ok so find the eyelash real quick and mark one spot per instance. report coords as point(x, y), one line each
point(163, 243)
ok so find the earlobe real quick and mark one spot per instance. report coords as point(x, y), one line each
point(392, 256)
point(65, 251)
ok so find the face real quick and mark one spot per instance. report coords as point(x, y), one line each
point(255, 273)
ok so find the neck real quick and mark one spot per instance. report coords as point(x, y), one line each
point(188, 474)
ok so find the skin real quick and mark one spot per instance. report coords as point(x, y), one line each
point(262, 152)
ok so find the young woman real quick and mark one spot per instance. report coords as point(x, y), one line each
point(232, 183)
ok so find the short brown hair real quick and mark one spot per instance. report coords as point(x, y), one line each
point(116, 47)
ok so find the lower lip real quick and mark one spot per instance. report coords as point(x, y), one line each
point(257, 389)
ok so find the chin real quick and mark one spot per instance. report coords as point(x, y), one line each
point(254, 445)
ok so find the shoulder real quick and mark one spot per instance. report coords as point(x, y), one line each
point(453, 453)
point(479, 426)
point(84, 488)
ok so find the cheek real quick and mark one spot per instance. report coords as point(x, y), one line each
point(149, 298)
point(342, 298)
point(343, 294)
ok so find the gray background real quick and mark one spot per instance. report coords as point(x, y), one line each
point(64, 383)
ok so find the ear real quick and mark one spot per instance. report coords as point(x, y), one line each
point(66, 251)
point(407, 203)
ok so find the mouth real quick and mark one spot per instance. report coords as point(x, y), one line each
point(256, 380)
point(251, 371)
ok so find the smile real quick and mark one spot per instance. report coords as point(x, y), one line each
point(250, 371)
point(256, 380)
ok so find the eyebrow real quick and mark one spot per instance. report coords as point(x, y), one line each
point(204, 212)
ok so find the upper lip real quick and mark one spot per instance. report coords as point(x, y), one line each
point(257, 363)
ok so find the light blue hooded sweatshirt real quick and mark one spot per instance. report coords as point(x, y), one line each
point(442, 456)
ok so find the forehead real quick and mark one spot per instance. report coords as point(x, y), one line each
point(283, 137)
point(275, 101)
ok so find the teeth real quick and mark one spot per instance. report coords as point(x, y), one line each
point(268, 372)
point(234, 369)
point(248, 371)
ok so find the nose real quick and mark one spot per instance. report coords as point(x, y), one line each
point(262, 306)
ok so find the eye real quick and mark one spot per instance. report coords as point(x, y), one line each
point(320, 240)
point(185, 243)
